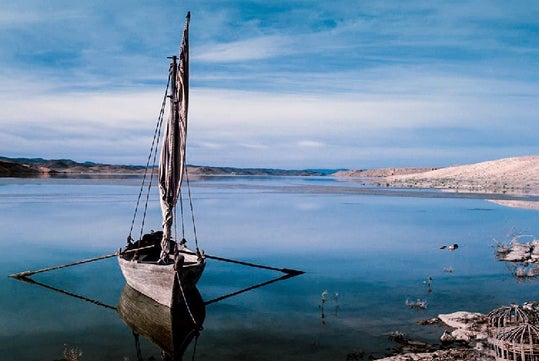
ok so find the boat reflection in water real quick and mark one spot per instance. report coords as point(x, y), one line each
point(171, 329)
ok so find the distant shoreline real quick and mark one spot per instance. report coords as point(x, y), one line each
point(39, 167)
point(517, 176)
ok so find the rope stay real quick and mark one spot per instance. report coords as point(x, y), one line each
point(137, 345)
point(198, 327)
point(154, 147)
point(181, 211)
point(149, 175)
point(191, 209)
point(185, 300)
point(153, 151)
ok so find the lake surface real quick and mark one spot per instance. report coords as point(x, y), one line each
point(370, 248)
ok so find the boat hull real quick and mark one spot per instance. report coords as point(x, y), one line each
point(159, 281)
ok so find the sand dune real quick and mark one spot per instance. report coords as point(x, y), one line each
point(516, 175)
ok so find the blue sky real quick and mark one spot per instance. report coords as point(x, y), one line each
point(285, 84)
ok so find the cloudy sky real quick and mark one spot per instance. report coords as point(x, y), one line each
point(285, 84)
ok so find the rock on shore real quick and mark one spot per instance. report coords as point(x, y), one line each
point(464, 342)
point(441, 355)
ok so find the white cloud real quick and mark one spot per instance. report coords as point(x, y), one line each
point(254, 146)
point(290, 128)
point(276, 84)
point(244, 50)
point(310, 144)
point(122, 109)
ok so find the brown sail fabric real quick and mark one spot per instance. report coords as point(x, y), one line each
point(172, 161)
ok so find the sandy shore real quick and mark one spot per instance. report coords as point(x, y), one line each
point(516, 179)
point(516, 176)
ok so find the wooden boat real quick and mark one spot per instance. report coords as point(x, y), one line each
point(170, 329)
point(157, 264)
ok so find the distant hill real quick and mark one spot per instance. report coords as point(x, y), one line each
point(24, 167)
point(12, 169)
point(28, 167)
point(515, 175)
point(205, 170)
point(381, 172)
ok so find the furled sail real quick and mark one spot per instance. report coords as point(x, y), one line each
point(172, 161)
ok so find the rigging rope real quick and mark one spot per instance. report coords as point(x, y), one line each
point(151, 171)
point(191, 207)
point(195, 347)
point(185, 300)
point(181, 212)
point(153, 151)
point(137, 346)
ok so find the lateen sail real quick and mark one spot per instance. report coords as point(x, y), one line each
point(151, 271)
point(172, 161)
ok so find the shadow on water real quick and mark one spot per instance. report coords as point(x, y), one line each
point(64, 292)
point(172, 329)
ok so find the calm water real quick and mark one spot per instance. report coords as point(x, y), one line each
point(372, 247)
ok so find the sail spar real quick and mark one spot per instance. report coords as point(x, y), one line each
point(172, 161)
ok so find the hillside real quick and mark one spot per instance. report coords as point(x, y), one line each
point(11, 169)
point(516, 175)
point(36, 167)
point(381, 172)
point(28, 167)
